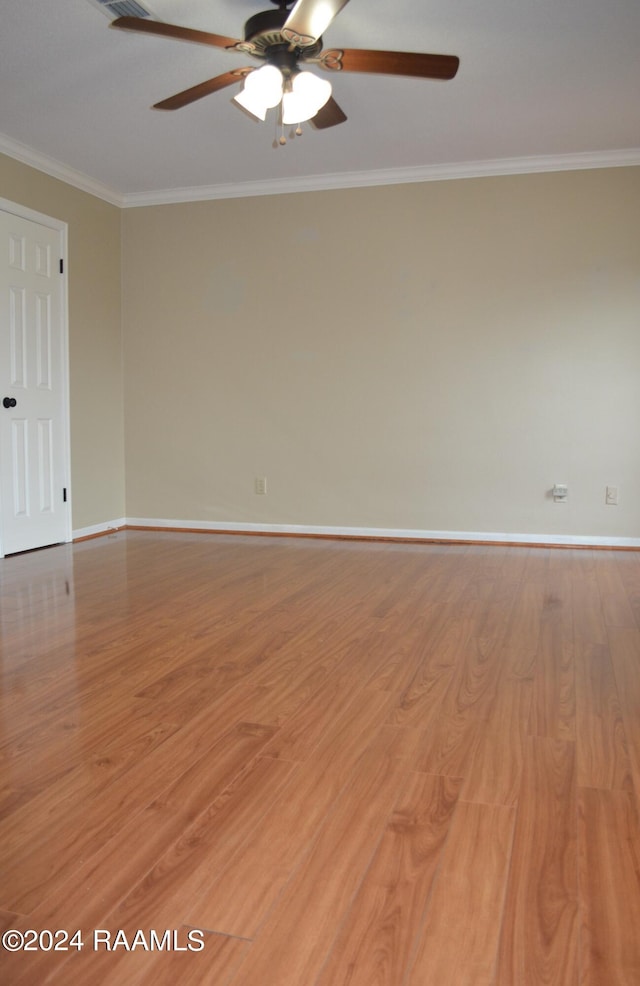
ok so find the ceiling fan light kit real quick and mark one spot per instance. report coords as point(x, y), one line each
point(302, 95)
point(284, 40)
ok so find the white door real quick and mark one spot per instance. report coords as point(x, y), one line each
point(34, 500)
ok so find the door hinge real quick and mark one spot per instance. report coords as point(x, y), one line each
point(64, 494)
point(61, 265)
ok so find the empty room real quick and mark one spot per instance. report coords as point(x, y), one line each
point(320, 493)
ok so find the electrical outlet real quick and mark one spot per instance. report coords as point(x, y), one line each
point(261, 485)
point(611, 496)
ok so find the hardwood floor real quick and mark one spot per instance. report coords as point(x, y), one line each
point(337, 763)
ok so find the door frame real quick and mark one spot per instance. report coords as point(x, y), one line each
point(15, 209)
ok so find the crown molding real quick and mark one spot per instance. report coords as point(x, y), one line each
point(390, 176)
point(315, 183)
point(56, 169)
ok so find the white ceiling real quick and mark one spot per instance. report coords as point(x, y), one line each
point(542, 84)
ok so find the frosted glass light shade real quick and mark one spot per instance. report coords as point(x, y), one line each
point(262, 90)
point(267, 81)
point(308, 95)
point(251, 103)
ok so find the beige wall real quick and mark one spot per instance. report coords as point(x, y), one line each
point(418, 357)
point(95, 343)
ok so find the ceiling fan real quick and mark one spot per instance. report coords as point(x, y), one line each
point(284, 40)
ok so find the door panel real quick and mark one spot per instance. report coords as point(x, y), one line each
point(33, 435)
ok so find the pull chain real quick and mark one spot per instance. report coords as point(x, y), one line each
point(292, 133)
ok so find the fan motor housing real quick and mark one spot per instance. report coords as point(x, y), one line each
point(262, 33)
point(266, 22)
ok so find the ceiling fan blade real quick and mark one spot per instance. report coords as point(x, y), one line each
point(390, 63)
point(309, 19)
point(202, 89)
point(173, 31)
point(329, 116)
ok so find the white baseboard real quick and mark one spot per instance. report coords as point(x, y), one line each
point(398, 534)
point(95, 530)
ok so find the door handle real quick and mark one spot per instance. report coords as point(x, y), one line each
point(9, 402)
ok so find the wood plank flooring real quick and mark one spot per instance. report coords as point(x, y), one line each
point(330, 763)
